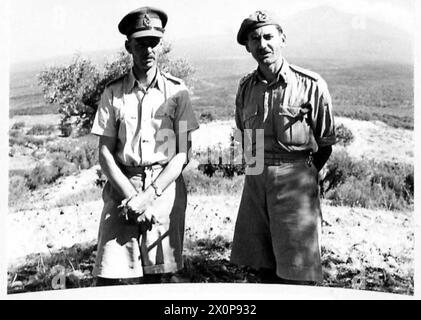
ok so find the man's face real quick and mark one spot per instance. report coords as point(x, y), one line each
point(145, 51)
point(265, 44)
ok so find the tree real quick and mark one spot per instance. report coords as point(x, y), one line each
point(76, 88)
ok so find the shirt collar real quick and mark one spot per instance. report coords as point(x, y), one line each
point(282, 75)
point(131, 82)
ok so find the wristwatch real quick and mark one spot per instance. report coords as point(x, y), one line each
point(158, 191)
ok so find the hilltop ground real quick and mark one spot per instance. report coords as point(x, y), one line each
point(362, 249)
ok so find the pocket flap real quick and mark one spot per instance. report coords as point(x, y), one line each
point(293, 112)
point(250, 112)
point(165, 110)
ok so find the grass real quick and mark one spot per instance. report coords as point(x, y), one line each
point(82, 196)
point(34, 110)
point(205, 261)
point(383, 92)
point(198, 183)
point(41, 130)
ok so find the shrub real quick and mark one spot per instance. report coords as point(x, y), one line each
point(398, 178)
point(344, 136)
point(18, 190)
point(18, 125)
point(199, 183)
point(206, 117)
point(77, 87)
point(82, 152)
point(368, 184)
point(340, 167)
point(16, 138)
point(14, 133)
point(41, 129)
point(101, 180)
point(41, 175)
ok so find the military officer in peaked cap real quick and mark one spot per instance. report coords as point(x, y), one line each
point(278, 225)
point(144, 121)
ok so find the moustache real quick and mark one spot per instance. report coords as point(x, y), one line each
point(263, 52)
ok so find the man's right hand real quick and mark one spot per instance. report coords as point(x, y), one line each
point(135, 209)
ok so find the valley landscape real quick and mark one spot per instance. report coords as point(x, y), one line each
point(368, 227)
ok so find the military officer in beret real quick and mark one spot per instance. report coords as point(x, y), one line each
point(278, 225)
point(144, 121)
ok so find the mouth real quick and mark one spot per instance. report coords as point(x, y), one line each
point(148, 59)
point(264, 54)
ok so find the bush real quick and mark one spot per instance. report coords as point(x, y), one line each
point(77, 87)
point(368, 184)
point(46, 174)
point(17, 189)
point(206, 117)
point(18, 125)
point(14, 133)
point(199, 183)
point(344, 136)
point(16, 138)
point(41, 129)
point(82, 152)
point(42, 175)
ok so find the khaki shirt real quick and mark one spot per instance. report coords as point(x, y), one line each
point(295, 110)
point(145, 122)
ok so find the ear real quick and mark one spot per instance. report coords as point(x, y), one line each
point(127, 46)
point(283, 40)
point(247, 48)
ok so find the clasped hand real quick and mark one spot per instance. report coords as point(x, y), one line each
point(136, 208)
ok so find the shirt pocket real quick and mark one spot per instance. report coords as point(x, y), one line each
point(164, 116)
point(291, 125)
point(125, 121)
point(251, 116)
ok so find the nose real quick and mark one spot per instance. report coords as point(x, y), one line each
point(262, 43)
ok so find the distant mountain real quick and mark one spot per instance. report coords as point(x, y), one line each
point(319, 33)
point(325, 32)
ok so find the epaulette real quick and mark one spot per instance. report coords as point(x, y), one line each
point(246, 78)
point(172, 78)
point(310, 74)
point(115, 81)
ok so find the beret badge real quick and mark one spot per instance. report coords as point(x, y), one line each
point(146, 20)
point(261, 16)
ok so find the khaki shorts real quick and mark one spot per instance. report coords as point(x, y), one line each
point(125, 249)
point(279, 222)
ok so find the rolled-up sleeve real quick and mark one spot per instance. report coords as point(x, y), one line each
point(325, 124)
point(185, 119)
point(105, 122)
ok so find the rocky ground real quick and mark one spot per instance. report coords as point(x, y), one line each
point(362, 249)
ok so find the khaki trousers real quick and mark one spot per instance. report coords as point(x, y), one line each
point(279, 222)
point(125, 249)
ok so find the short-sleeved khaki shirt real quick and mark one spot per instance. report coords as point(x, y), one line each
point(145, 123)
point(295, 110)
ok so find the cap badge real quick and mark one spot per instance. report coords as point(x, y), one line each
point(261, 16)
point(146, 20)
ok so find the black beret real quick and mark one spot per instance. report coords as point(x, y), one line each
point(255, 20)
point(144, 22)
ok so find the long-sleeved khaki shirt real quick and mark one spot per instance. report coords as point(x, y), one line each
point(295, 110)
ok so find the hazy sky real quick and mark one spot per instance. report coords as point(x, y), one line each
point(47, 28)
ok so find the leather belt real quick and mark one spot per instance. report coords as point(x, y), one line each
point(275, 159)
